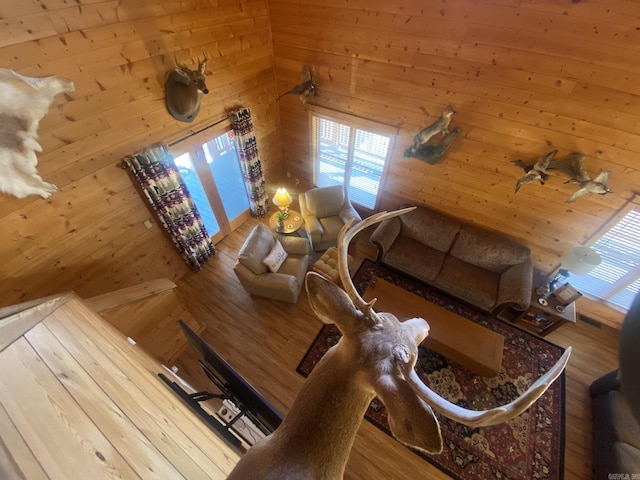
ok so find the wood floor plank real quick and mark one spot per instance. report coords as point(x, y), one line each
point(114, 424)
point(181, 436)
point(21, 456)
point(61, 436)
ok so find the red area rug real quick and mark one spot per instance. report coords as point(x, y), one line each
point(530, 446)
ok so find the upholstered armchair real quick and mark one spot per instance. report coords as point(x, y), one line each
point(254, 267)
point(325, 210)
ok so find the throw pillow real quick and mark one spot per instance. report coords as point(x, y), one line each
point(275, 258)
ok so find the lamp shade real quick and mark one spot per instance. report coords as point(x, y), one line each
point(282, 198)
point(580, 260)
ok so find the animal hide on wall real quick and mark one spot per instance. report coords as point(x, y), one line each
point(23, 102)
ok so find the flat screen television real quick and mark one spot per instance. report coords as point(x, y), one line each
point(250, 402)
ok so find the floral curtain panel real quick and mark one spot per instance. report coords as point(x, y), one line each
point(156, 173)
point(250, 161)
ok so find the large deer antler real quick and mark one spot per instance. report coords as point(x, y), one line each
point(375, 356)
point(472, 418)
point(347, 233)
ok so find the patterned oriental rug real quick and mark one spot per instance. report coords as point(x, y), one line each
point(530, 446)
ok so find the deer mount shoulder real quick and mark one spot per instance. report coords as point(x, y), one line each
point(184, 90)
point(23, 102)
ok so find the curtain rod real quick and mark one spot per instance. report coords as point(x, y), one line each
point(123, 165)
point(199, 131)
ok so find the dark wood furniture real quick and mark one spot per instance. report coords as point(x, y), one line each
point(463, 341)
point(539, 318)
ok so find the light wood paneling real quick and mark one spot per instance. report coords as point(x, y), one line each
point(525, 78)
point(89, 237)
point(77, 399)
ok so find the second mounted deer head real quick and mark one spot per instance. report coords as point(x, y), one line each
point(184, 90)
point(375, 356)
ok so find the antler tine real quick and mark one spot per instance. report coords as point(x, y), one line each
point(481, 418)
point(344, 239)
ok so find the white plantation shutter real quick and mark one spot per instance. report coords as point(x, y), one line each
point(349, 153)
point(617, 279)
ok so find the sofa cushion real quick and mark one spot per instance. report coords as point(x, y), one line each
point(430, 228)
point(474, 284)
point(325, 201)
point(621, 421)
point(275, 258)
point(626, 458)
point(257, 245)
point(413, 257)
point(488, 250)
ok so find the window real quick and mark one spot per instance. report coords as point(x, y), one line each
point(616, 281)
point(352, 152)
point(210, 168)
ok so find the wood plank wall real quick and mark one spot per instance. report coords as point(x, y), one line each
point(89, 237)
point(526, 77)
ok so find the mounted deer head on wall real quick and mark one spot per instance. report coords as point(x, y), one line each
point(375, 356)
point(184, 90)
point(23, 102)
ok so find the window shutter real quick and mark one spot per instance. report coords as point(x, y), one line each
point(617, 279)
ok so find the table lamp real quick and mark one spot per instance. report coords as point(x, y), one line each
point(579, 260)
point(282, 200)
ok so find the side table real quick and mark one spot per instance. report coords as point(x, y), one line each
point(291, 225)
point(545, 313)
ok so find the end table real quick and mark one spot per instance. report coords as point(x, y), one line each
point(291, 225)
point(545, 313)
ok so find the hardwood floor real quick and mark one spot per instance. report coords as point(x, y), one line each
point(264, 340)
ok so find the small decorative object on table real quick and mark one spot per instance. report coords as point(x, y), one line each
point(286, 223)
point(546, 313)
point(566, 294)
point(280, 218)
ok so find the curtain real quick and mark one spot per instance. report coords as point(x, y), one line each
point(156, 173)
point(250, 162)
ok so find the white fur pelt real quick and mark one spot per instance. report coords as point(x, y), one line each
point(23, 102)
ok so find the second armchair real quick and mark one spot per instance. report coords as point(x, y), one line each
point(325, 210)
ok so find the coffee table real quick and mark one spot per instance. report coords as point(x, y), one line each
point(465, 342)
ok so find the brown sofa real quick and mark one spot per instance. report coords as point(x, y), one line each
point(481, 267)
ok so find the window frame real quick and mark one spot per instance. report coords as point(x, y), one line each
point(352, 122)
point(633, 204)
point(193, 145)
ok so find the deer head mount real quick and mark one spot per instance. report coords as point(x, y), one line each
point(184, 89)
point(375, 356)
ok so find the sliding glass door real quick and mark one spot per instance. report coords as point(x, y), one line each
point(211, 170)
